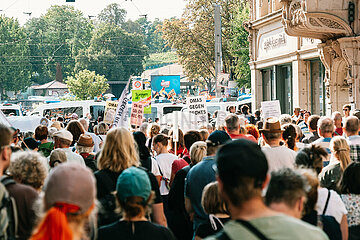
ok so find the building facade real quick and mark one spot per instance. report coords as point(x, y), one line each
point(299, 54)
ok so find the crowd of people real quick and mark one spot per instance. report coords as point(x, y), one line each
point(292, 177)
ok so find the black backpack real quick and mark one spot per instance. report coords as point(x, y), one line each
point(8, 212)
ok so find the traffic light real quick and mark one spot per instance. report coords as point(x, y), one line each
point(351, 12)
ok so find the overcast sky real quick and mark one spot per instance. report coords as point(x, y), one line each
point(153, 8)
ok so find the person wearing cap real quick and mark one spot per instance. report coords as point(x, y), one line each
point(63, 140)
point(233, 124)
point(133, 192)
point(202, 174)
point(119, 153)
point(278, 156)
point(57, 156)
point(242, 174)
point(85, 123)
point(85, 147)
point(69, 198)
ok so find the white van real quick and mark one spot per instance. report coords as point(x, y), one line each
point(81, 108)
point(11, 109)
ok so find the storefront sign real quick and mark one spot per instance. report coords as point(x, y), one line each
point(274, 41)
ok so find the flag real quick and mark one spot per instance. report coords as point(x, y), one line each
point(121, 116)
point(203, 92)
point(171, 94)
point(156, 94)
point(188, 93)
point(163, 93)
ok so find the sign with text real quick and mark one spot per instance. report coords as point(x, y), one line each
point(137, 114)
point(110, 111)
point(197, 106)
point(143, 97)
point(270, 109)
point(220, 119)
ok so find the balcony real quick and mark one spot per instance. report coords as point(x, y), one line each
point(321, 19)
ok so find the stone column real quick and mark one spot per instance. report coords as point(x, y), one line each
point(299, 83)
point(256, 87)
point(350, 47)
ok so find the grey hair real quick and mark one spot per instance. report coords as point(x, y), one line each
point(336, 116)
point(326, 125)
point(284, 119)
point(83, 149)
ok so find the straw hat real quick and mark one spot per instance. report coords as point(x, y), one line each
point(272, 125)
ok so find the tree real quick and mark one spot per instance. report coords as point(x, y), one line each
point(239, 47)
point(57, 37)
point(152, 37)
point(193, 38)
point(113, 53)
point(112, 14)
point(14, 56)
point(87, 84)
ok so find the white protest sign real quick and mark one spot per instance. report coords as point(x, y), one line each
point(110, 110)
point(197, 106)
point(137, 114)
point(3, 119)
point(270, 109)
point(176, 127)
point(220, 118)
point(121, 118)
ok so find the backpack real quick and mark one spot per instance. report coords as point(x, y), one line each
point(8, 212)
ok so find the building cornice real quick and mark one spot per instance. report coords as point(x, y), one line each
point(268, 19)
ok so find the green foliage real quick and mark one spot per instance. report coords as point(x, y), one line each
point(240, 48)
point(112, 14)
point(57, 37)
point(152, 38)
point(193, 38)
point(87, 84)
point(161, 58)
point(14, 56)
point(113, 53)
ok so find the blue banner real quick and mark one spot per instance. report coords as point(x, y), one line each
point(164, 84)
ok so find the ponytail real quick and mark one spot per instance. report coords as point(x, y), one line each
point(55, 225)
point(161, 138)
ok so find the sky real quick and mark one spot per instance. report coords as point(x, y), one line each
point(161, 9)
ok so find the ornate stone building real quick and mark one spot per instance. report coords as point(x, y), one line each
point(304, 53)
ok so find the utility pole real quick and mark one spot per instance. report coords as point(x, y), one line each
point(218, 52)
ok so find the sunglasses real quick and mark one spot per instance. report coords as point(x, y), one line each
point(345, 109)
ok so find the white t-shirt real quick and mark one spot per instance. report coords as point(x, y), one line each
point(165, 161)
point(279, 157)
point(155, 168)
point(335, 208)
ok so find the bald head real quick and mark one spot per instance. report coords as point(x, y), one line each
point(85, 123)
point(351, 126)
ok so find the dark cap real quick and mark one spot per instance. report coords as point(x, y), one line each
point(217, 138)
point(241, 158)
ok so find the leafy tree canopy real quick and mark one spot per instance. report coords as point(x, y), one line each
point(87, 84)
point(14, 56)
point(57, 37)
point(113, 53)
point(193, 38)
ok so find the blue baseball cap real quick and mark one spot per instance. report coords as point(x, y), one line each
point(218, 138)
point(133, 182)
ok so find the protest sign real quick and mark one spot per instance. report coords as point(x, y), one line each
point(270, 109)
point(3, 119)
point(197, 106)
point(220, 119)
point(137, 114)
point(143, 97)
point(110, 110)
point(121, 118)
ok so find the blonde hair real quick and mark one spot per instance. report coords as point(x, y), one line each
point(119, 151)
point(198, 152)
point(341, 148)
